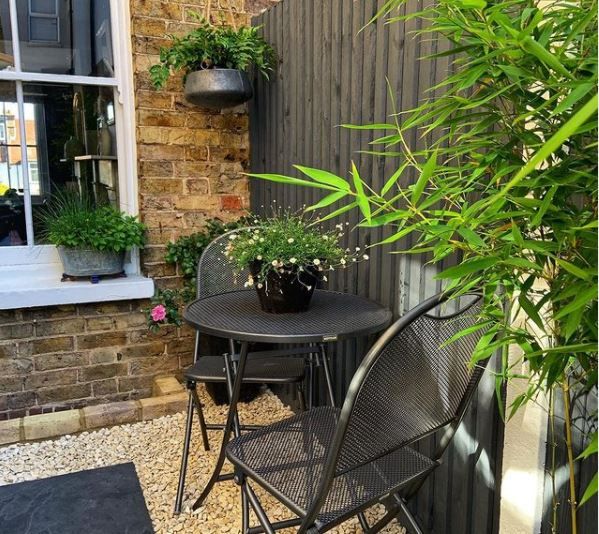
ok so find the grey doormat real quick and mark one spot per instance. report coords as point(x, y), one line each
point(108, 500)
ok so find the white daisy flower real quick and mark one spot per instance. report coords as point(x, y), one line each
point(343, 262)
point(258, 257)
point(290, 240)
point(366, 256)
point(292, 260)
point(274, 263)
point(316, 261)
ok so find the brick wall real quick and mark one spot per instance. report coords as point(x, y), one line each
point(63, 357)
point(189, 167)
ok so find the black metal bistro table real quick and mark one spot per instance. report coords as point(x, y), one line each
point(237, 316)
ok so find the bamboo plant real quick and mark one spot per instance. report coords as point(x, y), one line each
point(506, 178)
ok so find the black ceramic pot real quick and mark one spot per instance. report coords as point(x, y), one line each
point(218, 88)
point(288, 292)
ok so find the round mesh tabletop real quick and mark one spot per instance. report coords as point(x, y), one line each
point(332, 316)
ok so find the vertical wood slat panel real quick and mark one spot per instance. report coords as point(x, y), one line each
point(330, 74)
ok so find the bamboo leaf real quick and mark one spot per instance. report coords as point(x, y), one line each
point(338, 212)
point(281, 179)
point(361, 198)
point(471, 237)
point(393, 179)
point(581, 300)
point(376, 126)
point(590, 491)
point(328, 200)
point(427, 172)
point(468, 267)
point(573, 269)
point(324, 177)
point(547, 199)
point(543, 55)
point(591, 448)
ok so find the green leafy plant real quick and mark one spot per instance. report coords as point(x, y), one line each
point(185, 253)
point(72, 221)
point(209, 47)
point(288, 243)
point(506, 180)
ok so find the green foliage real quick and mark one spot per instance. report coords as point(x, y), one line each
point(287, 242)
point(185, 252)
point(208, 47)
point(506, 178)
point(173, 301)
point(74, 222)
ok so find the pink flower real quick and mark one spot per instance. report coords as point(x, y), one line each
point(158, 313)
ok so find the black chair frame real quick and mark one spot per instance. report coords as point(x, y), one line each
point(395, 498)
point(315, 357)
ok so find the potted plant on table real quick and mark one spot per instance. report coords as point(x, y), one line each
point(215, 61)
point(287, 257)
point(91, 240)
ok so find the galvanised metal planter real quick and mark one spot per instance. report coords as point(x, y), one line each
point(91, 262)
point(218, 88)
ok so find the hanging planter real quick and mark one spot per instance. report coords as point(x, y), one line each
point(218, 88)
point(215, 61)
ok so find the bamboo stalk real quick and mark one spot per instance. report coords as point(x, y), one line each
point(571, 464)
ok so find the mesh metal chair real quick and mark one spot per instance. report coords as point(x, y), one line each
point(327, 465)
point(215, 276)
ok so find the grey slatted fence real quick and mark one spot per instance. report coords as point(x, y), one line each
point(330, 73)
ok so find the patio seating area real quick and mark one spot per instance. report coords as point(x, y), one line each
point(299, 266)
point(155, 449)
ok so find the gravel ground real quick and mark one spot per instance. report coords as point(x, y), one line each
point(155, 449)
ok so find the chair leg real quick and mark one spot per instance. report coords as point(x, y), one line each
point(412, 526)
point(185, 457)
point(198, 405)
point(257, 507)
point(300, 398)
point(245, 512)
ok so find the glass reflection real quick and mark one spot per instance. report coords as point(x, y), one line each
point(12, 205)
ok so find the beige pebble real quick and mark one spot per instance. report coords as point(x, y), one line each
point(155, 449)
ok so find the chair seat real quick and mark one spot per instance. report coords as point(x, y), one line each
point(287, 458)
point(276, 370)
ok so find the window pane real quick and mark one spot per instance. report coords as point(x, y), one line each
point(12, 205)
point(6, 55)
point(71, 143)
point(74, 39)
point(43, 29)
point(43, 6)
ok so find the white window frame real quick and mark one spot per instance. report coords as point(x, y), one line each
point(31, 14)
point(40, 259)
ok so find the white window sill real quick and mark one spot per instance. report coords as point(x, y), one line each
point(26, 288)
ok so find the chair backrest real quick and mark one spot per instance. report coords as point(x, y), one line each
point(216, 274)
point(412, 382)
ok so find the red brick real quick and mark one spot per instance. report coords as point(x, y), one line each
point(231, 202)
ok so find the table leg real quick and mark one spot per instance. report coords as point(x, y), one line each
point(327, 374)
point(229, 425)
